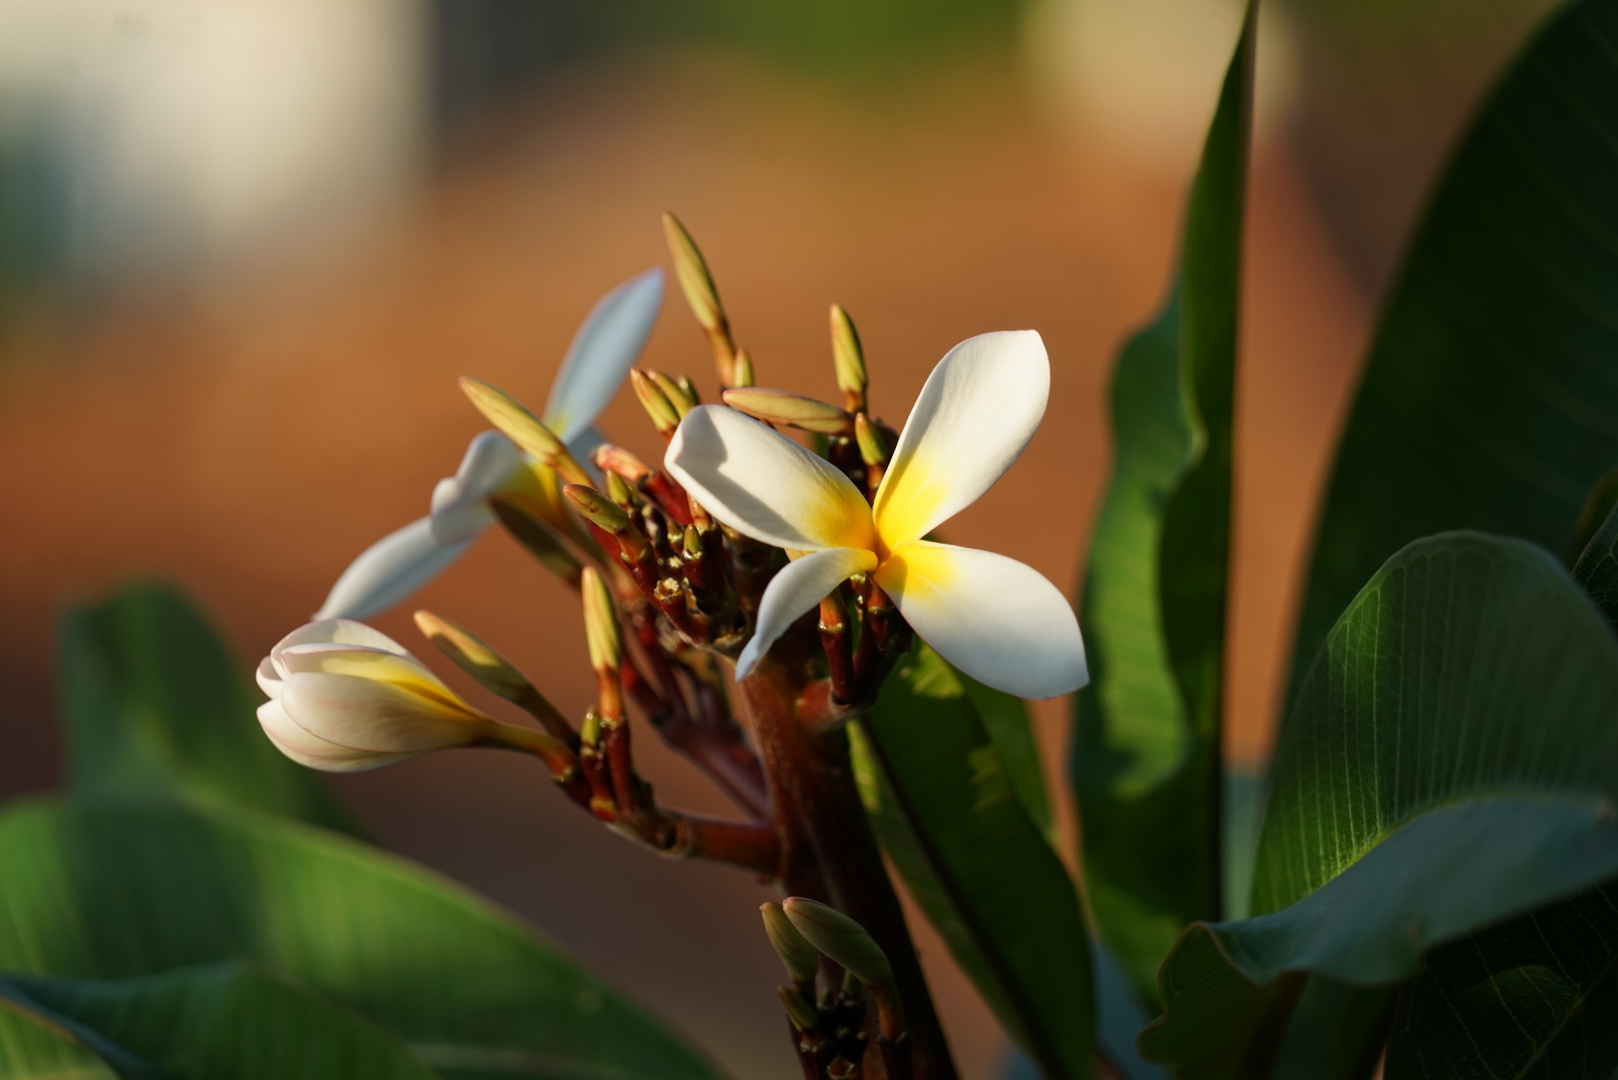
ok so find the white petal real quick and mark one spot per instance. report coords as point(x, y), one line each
point(997, 620)
point(388, 571)
point(975, 415)
point(313, 751)
point(800, 586)
point(365, 714)
point(268, 678)
point(460, 503)
point(763, 484)
point(341, 632)
point(603, 351)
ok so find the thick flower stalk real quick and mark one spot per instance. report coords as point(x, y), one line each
point(712, 564)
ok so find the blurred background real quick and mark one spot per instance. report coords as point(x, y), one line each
point(247, 246)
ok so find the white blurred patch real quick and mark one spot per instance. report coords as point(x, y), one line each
point(1142, 76)
point(188, 131)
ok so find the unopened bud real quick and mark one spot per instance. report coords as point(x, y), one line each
point(742, 372)
point(790, 410)
point(692, 542)
point(615, 459)
point(689, 389)
point(801, 959)
point(840, 938)
point(474, 656)
point(523, 428)
point(695, 280)
point(800, 1012)
point(597, 508)
point(873, 448)
point(534, 535)
point(621, 493)
point(590, 730)
point(678, 398)
point(848, 358)
point(601, 623)
point(665, 417)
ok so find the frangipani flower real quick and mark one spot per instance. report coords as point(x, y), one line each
point(996, 619)
point(345, 697)
point(605, 347)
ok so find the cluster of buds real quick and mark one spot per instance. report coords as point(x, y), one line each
point(810, 570)
point(836, 969)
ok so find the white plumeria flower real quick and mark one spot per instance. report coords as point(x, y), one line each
point(345, 697)
point(604, 349)
point(992, 617)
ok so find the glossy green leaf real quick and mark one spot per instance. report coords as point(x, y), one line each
point(113, 890)
point(225, 1021)
point(1146, 751)
point(946, 811)
point(1228, 988)
point(29, 1051)
point(153, 703)
point(1490, 396)
point(1011, 729)
point(1471, 669)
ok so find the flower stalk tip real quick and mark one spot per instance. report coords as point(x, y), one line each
point(801, 959)
point(786, 409)
point(522, 427)
point(700, 292)
point(848, 358)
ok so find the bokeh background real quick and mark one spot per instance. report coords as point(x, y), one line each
point(247, 246)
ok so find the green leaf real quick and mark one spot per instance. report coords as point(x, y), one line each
point(1146, 750)
point(31, 1052)
point(153, 703)
point(944, 806)
point(1534, 997)
point(1469, 670)
point(1011, 730)
point(225, 1021)
point(1490, 396)
point(119, 890)
point(1229, 988)
point(1597, 568)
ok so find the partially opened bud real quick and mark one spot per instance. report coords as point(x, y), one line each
point(787, 409)
point(848, 358)
point(523, 428)
point(840, 938)
point(345, 697)
point(801, 959)
point(601, 624)
point(665, 417)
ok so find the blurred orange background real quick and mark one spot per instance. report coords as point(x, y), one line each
point(242, 407)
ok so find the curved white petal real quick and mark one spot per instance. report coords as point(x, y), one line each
point(399, 669)
point(460, 502)
point(763, 484)
point(268, 678)
point(975, 415)
point(996, 619)
point(313, 751)
point(603, 351)
point(365, 714)
point(341, 632)
point(800, 586)
point(388, 571)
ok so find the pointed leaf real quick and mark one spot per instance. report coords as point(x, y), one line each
point(1146, 750)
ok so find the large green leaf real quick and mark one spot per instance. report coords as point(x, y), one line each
point(1597, 568)
point(31, 1052)
point(1469, 670)
point(1229, 988)
point(1146, 752)
point(1490, 395)
point(153, 703)
point(948, 814)
point(112, 890)
point(224, 1021)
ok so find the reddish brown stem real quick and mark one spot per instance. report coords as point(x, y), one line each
point(828, 852)
point(834, 639)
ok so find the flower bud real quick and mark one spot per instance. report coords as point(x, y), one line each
point(801, 959)
point(615, 459)
point(601, 624)
point(597, 508)
point(742, 372)
point(542, 544)
point(665, 417)
point(873, 448)
point(523, 428)
point(695, 280)
point(848, 358)
point(840, 938)
point(799, 1011)
point(781, 407)
point(345, 697)
point(682, 401)
point(475, 657)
